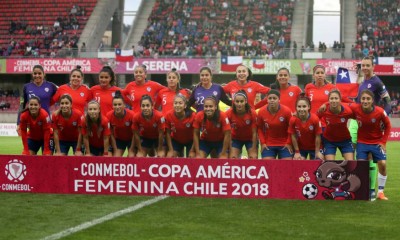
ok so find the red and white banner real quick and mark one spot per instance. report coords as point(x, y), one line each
point(283, 179)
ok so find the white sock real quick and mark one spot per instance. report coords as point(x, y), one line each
point(381, 182)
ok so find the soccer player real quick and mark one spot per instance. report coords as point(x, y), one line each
point(40, 88)
point(243, 82)
point(205, 89)
point(318, 90)
point(104, 92)
point(179, 129)
point(37, 120)
point(289, 93)
point(305, 130)
point(140, 87)
point(148, 126)
point(243, 121)
point(76, 89)
point(215, 130)
point(371, 138)
point(272, 125)
point(165, 98)
point(336, 134)
point(95, 130)
point(121, 123)
point(66, 122)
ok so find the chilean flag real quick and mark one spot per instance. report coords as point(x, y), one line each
point(230, 63)
point(384, 65)
point(124, 55)
point(346, 82)
point(258, 63)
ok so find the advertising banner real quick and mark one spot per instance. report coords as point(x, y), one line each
point(282, 179)
point(164, 65)
point(55, 65)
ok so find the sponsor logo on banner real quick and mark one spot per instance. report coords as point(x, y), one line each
point(15, 172)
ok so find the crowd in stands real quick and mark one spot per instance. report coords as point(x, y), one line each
point(205, 27)
point(57, 40)
point(378, 26)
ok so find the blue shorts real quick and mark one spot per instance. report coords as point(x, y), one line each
point(149, 143)
point(35, 145)
point(208, 146)
point(178, 147)
point(276, 151)
point(66, 145)
point(375, 150)
point(97, 151)
point(345, 146)
point(239, 144)
point(123, 144)
point(306, 153)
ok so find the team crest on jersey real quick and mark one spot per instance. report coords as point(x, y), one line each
point(127, 124)
point(46, 89)
point(74, 124)
point(188, 125)
point(311, 127)
point(373, 120)
point(342, 120)
point(82, 94)
point(291, 94)
point(281, 119)
point(215, 93)
point(248, 121)
point(326, 92)
point(249, 90)
point(148, 89)
point(369, 85)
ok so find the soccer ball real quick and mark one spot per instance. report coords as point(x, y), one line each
point(310, 191)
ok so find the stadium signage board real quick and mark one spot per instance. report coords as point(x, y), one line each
point(279, 179)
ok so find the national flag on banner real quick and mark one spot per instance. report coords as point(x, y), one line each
point(346, 82)
point(230, 63)
point(123, 55)
point(384, 65)
point(258, 63)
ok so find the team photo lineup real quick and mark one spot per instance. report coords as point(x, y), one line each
point(149, 119)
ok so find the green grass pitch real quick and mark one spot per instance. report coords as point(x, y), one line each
point(36, 216)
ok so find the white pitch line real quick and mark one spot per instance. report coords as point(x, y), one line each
point(110, 216)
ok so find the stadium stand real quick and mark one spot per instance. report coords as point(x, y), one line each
point(204, 27)
point(378, 27)
point(52, 28)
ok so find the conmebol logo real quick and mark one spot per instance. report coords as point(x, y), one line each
point(15, 170)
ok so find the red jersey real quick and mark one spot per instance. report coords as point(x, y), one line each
point(104, 97)
point(135, 92)
point(370, 125)
point(336, 124)
point(37, 126)
point(121, 128)
point(288, 98)
point(67, 128)
point(272, 128)
point(242, 125)
point(165, 99)
point(305, 131)
point(318, 95)
point(80, 96)
point(209, 130)
point(181, 129)
point(251, 88)
point(97, 132)
point(148, 128)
